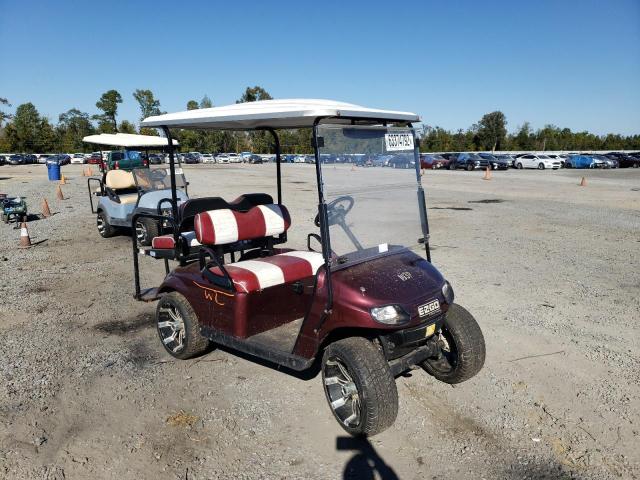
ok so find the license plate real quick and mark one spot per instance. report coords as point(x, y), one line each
point(429, 308)
point(397, 142)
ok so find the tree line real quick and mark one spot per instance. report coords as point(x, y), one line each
point(490, 134)
point(27, 131)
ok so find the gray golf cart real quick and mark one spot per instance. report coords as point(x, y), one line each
point(122, 194)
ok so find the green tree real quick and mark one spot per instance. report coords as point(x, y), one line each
point(108, 103)
point(149, 105)
point(192, 105)
point(26, 127)
point(492, 131)
point(523, 140)
point(3, 115)
point(206, 102)
point(126, 127)
point(254, 94)
point(73, 126)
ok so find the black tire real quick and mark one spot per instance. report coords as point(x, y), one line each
point(369, 372)
point(636, 165)
point(541, 166)
point(105, 229)
point(452, 166)
point(146, 230)
point(519, 165)
point(465, 354)
point(470, 167)
point(192, 342)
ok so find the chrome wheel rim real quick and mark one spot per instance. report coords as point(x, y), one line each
point(100, 224)
point(342, 392)
point(141, 232)
point(171, 328)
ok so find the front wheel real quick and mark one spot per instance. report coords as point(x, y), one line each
point(462, 348)
point(519, 166)
point(359, 386)
point(470, 167)
point(541, 166)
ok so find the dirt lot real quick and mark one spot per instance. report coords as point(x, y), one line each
point(550, 269)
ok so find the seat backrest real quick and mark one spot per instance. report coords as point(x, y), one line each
point(190, 208)
point(119, 180)
point(224, 226)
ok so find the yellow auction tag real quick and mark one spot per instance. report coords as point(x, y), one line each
point(430, 330)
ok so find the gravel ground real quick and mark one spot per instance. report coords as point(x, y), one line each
point(550, 269)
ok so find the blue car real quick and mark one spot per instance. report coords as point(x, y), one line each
point(584, 161)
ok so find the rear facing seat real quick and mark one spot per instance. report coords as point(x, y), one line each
point(121, 183)
point(221, 227)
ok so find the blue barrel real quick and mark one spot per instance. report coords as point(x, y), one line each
point(53, 169)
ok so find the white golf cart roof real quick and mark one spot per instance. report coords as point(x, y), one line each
point(292, 113)
point(127, 140)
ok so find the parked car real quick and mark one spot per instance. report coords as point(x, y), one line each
point(155, 159)
point(537, 160)
point(15, 160)
point(208, 158)
point(510, 159)
point(234, 158)
point(402, 161)
point(625, 160)
point(190, 158)
point(222, 158)
point(78, 158)
point(254, 158)
point(3, 159)
point(468, 161)
point(95, 159)
point(608, 162)
point(494, 162)
point(582, 161)
point(245, 156)
point(125, 160)
point(433, 161)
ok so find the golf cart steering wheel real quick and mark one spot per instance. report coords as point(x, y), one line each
point(337, 210)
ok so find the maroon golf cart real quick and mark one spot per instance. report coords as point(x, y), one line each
point(359, 301)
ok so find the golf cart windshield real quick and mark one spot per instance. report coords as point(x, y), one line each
point(371, 210)
point(148, 179)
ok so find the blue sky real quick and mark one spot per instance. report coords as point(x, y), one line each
point(569, 63)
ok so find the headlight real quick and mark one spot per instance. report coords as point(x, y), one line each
point(389, 314)
point(447, 292)
point(477, 162)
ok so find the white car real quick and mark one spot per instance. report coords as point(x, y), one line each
point(234, 158)
point(299, 159)
point(78, 158)
point(536, 160)
point(207, 158)
point(222, 158)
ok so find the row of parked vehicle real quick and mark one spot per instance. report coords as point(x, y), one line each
point(540, 161)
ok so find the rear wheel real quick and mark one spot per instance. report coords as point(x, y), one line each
point(178, 327)
point(452, 166)
point(541, 166)
point(462, 351)
point(146, 230)
point(470, 167)
point(359, 386)
point(105, 229)
point(519, 165)
point(636, 165)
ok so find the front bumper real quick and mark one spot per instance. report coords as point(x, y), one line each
point(401, 343)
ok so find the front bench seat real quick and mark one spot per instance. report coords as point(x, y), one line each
point(120, 183)
point(221, 227)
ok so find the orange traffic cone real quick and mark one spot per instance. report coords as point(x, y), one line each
point(25, 241)
point(45, 208)
point(89, 172)
point(487, 174)
point(84, 172)
point(583, 182)
point(59, 194)
point(62, 180)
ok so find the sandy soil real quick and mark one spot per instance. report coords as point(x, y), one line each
point(550, 269)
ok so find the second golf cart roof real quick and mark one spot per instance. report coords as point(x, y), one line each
point(128, 140)
point(292, 113)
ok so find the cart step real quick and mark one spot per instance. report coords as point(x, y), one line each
point(149, 295)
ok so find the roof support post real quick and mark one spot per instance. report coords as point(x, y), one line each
point(172, 171)
point(276, 140)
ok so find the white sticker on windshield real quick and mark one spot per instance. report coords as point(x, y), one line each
point(396, 142)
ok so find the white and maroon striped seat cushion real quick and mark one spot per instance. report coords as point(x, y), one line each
point(167, 241)
point(252, 275)
point(220, 227)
